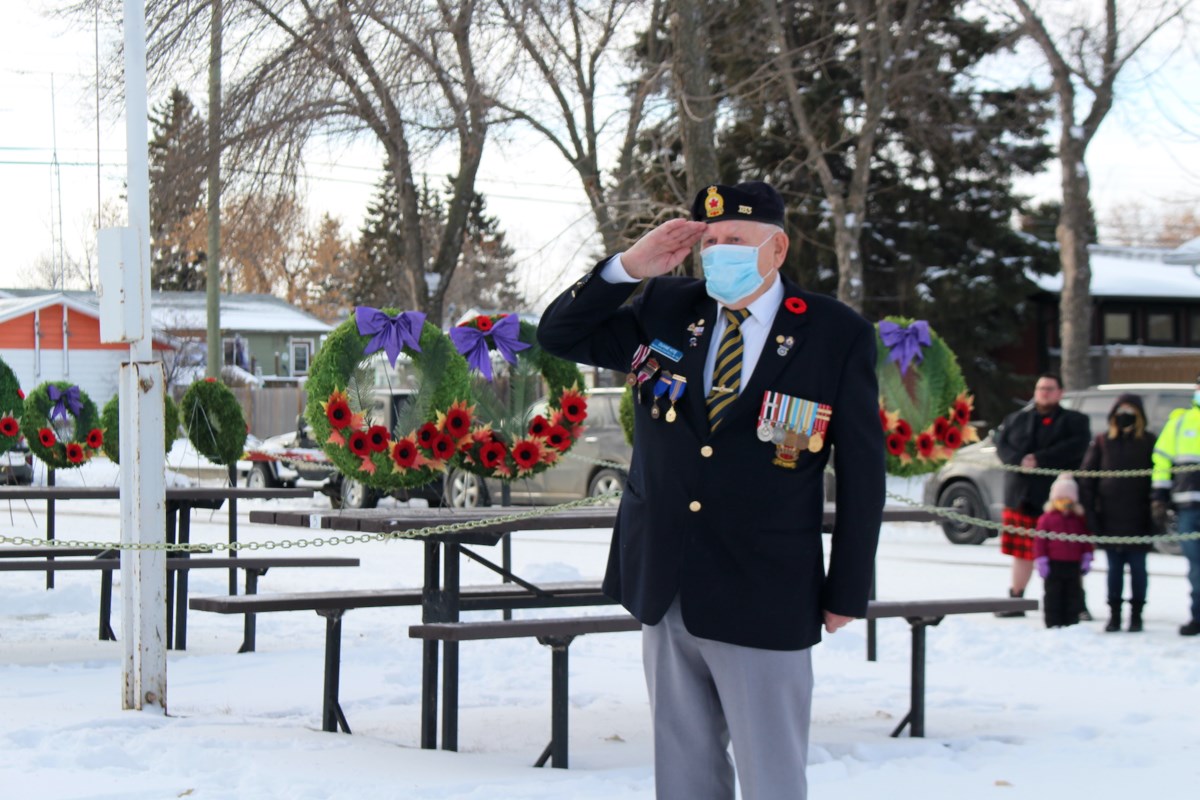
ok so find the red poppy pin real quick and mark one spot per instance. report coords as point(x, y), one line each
point(795, 305)
point(1046, 421)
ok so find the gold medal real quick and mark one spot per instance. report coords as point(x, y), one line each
point(670, 413)
point(815, 443)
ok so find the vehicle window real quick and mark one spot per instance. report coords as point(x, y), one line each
point(1095, 406)
point(1160, 406)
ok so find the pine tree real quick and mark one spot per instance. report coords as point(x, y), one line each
point(177, 174)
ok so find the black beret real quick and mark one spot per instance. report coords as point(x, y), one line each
point(753, 200)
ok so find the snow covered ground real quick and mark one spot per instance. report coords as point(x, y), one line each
point(1013, 710)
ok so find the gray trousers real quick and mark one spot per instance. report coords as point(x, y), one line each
point(704, 693)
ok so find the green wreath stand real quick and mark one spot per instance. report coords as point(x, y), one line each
point(506, 444)
point(110, 422)
point(213, 420)
point(924, 407)
point(433, 428)
point(64, 443)
point(12, 406)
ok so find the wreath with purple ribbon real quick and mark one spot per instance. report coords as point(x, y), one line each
point(508, 441)
point(61, 425)
point(435, 423)
point(924, 407)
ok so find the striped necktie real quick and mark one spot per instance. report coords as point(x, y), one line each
point(727, 370)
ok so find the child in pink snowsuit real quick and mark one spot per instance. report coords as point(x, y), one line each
point(1062, 564)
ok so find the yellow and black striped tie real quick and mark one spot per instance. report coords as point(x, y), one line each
point(727, 370)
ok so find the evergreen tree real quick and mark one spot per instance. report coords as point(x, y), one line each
point(177, 175)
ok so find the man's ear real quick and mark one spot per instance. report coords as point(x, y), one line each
point(779, 244)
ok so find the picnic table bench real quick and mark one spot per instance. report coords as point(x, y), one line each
point(107, 562)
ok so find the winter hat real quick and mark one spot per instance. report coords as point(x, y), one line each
point(1064, 488)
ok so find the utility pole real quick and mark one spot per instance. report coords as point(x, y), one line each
point(213, 263)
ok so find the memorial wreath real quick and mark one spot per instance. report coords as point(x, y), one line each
point(12, 405)
point(110, 423)
point(213, 419)
point(60, 424)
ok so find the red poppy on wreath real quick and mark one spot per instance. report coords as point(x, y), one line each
point(904, 429)
point(526, 453)
point(74, 453)
point(443, 447)
point(483, 322)
point(377, 438)
point(953, 438)
point(491, 454)
point(962, 413)
point(895, 444)
point(360, 445)
point(404, 453)
point(939, 428)
point(95, 438)
point(210, 380)
point(883, 420)
point(9, 427)
point(795, 305)
point(573, 406)
point(458, 422)
point(337, 411)
point(559, 438)
point(426, 435)
point(47, 437)
point(925, 444)
point(538, 426)
point(21, 393)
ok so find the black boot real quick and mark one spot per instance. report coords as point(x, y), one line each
point(1012, 593)
point(1114, 618)
point(1135, 616)
point(1191, 629)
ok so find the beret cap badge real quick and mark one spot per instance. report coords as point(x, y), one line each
point(714, 204)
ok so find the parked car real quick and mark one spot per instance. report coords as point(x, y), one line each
point(971, 482)
point(577, 474)
point(16, 466)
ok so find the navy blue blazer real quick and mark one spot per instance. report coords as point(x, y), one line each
point(708, 516)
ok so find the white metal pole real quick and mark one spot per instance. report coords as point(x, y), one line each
point(143, 492)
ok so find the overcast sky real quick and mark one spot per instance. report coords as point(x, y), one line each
point(1140, 155)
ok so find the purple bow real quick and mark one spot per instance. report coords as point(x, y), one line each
point(904, 344)
point(388, 333)
point(64, 399)
point(472, 343)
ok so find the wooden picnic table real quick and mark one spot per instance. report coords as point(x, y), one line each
point(440, 594)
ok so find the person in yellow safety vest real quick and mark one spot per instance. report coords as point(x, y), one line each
point(1179, 445)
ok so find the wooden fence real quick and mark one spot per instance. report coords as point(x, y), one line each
point(1173, 368)
point(271, 411)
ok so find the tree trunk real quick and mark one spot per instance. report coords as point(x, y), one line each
point(1075, 310)
point(847, 232)
point(691, 79)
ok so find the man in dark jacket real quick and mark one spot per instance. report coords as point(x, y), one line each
point(746, 380)
point(1043, 435)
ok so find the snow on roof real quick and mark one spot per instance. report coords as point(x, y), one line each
point(1132, 272)
point(242, 313)
point(1187, 253)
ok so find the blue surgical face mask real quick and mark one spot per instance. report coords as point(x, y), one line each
point(731, 271)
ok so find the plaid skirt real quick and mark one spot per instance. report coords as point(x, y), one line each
point(1014, 544)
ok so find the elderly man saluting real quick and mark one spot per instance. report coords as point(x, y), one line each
point(744, 382)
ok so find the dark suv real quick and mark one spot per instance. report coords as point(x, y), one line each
point(971, 483)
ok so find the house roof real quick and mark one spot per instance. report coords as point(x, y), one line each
point(1133, 272)
point(1187, 253)
point(181, 311)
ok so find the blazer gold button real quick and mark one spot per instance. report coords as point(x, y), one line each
point(694, 505)
point(706, 451)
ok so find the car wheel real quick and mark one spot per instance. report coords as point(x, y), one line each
point(606, 481)
point(466, 490)
point(963, 498)
point(357, 495)
point(261, 477)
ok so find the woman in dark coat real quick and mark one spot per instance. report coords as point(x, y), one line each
point(1121, 506)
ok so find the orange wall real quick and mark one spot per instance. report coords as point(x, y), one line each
point(84, 330)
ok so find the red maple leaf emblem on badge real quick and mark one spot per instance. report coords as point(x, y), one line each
point(712, 202)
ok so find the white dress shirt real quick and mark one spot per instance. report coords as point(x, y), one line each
point(755, 328)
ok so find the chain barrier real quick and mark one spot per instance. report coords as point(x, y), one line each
point(1091, 473)
point(288, 544)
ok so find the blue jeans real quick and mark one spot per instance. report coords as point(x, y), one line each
point(1117, 560)
point(1189, 520)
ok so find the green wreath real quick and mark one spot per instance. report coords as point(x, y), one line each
point(924, 407)
point(12, 405)
point(110, 422)
point(431, 428)
point(213, 420)
point(60, 424)
point(507, 444)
